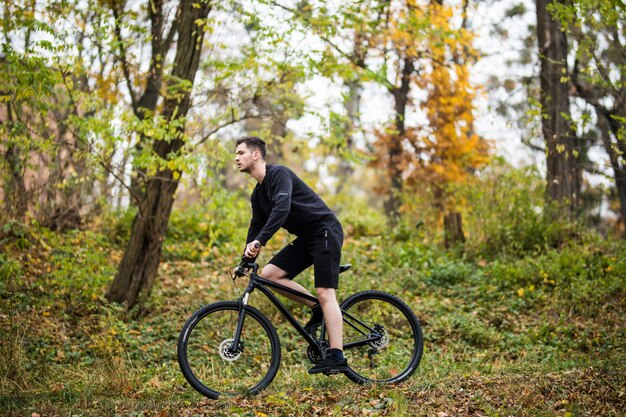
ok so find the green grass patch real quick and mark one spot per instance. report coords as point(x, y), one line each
point(532, 335)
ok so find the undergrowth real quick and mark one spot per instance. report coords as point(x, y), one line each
point(507, 333)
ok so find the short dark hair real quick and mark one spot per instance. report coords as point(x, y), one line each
point(253, 142)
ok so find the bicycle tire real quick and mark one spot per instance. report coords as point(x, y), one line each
point(393, 358)
point(210, 368)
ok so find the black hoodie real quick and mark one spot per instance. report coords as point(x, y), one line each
point(284, 200)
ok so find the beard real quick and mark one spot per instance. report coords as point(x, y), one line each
point(245, 169)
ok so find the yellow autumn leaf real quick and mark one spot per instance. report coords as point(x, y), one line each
point(171, 164)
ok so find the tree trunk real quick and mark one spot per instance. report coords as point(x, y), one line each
point(146, 104)
point(395, 150)
point(352, 106)
point(563, 171)
point(138, 268)
point(610, 122)
point(15, 196)
point(353, 110)
point(616, 151)
point(453, 229)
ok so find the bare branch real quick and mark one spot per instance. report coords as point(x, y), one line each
point(122, 56)
point(230, 122)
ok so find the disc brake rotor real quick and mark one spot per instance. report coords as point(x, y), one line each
point(226, 353)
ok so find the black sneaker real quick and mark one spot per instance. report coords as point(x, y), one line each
point(316, 319)
point(330, 366)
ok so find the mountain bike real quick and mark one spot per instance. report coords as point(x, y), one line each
point(231, 347)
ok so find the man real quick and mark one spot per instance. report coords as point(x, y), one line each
point(281, 199)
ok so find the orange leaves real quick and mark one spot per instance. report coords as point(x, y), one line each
point(442, 149)
point(455, 150)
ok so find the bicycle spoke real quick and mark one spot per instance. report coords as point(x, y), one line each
point(384, 343)
point(217, 367)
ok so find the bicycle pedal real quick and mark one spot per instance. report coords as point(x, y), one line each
point(333, 372)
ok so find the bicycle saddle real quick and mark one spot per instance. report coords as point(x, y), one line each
point(344, 268)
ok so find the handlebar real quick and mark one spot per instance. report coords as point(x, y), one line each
point(245, 264)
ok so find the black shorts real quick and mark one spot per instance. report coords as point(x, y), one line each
point(321, 249)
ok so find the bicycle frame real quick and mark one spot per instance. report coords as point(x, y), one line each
point(258, 282)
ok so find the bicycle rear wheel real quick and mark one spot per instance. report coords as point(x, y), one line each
point(209, 363)
point(383, 340)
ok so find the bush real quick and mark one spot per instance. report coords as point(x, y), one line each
point(359, 218)
point(115, 224)
point(581, 273)
point(450, 273)
point(507, 214)
point(194, 231)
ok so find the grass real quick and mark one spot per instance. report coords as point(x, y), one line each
point(541, 335)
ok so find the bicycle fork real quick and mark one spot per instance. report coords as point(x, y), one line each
point(236, 346)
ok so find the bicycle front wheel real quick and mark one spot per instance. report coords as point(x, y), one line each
point(383, 340)
point(210, 362)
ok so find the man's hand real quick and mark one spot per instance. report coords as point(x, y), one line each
point(252, 249)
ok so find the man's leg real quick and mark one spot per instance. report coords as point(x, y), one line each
point(332, 316)
point(326, 254)
point(334, 362)
point(279, 276)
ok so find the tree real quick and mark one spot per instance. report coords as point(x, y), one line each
point(229, 85)
point(48, 103)
point(447, 151)
point(396, 45)
point(138, 268)
point(432, 56)
point(564, 175)
point(599, 75)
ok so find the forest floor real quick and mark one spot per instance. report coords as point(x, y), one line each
point(553, 345)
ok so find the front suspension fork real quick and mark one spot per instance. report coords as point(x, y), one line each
point(243, 303)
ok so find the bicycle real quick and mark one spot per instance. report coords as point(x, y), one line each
point(231, 348)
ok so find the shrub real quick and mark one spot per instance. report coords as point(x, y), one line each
point(358, 217)
point(507, 214)
point(582, 273)
point(115, 224)
point(450, 273)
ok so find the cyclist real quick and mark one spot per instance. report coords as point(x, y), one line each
point(282, 199)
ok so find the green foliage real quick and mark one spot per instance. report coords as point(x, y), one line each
point(358, 218)
point(56, 124)
point(449, 273)
point(582, 274)
point(216, 225)
point(473, 331)
point(115, 224)
point(477, 322)
point(507, 215)
point(72, 268)
point(78, 267)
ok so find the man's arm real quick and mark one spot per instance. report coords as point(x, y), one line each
point(256, 224)
point(281, 188)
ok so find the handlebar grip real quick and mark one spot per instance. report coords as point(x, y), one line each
point(241, 269)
